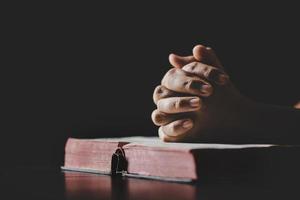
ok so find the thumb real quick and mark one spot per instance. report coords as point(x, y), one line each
point(206, 55)
point(180, 61)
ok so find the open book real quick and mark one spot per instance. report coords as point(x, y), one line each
point(148, 157)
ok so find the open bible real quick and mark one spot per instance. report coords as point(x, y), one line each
point(148, 157)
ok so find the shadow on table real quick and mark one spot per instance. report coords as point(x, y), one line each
point(44, 183)
point(90, 186)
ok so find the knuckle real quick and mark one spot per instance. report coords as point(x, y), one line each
point(177, 124)
point(159, 118)
point(168, 76)
point(191, 67)
point(177, 104)
point(172, 128)
point(156, 118)
point(160, 104)
point(166, 134)
point(171, 72)
point(187, 84)
point(158, 91)
point(161, 134)
point(213, 74)
point(164, 105)
point(206, 71)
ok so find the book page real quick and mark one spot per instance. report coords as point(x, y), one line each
point(156, 142)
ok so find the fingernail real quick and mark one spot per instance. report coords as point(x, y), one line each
point(187, 124)
point(206, 89)
point(222, 79)
point(195, 102)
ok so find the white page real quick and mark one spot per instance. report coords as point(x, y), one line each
point(156, 142)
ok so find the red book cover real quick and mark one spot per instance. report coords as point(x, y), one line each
point(148, 157)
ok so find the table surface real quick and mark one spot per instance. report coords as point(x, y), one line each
point(52, 183)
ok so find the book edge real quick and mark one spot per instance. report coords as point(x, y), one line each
point(159, 178)
point(85, 170)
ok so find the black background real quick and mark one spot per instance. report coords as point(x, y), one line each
point(77, 70)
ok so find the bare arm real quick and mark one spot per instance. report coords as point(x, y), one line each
point(274, 124)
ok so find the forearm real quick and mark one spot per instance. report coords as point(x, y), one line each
point(274, 124)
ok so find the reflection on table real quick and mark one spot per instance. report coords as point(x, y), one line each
point(90, 186)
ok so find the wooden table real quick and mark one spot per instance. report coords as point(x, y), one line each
point(52, 183)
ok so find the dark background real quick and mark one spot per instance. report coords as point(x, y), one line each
point(89, 71)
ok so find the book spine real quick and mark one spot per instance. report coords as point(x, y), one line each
point(118, 163)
